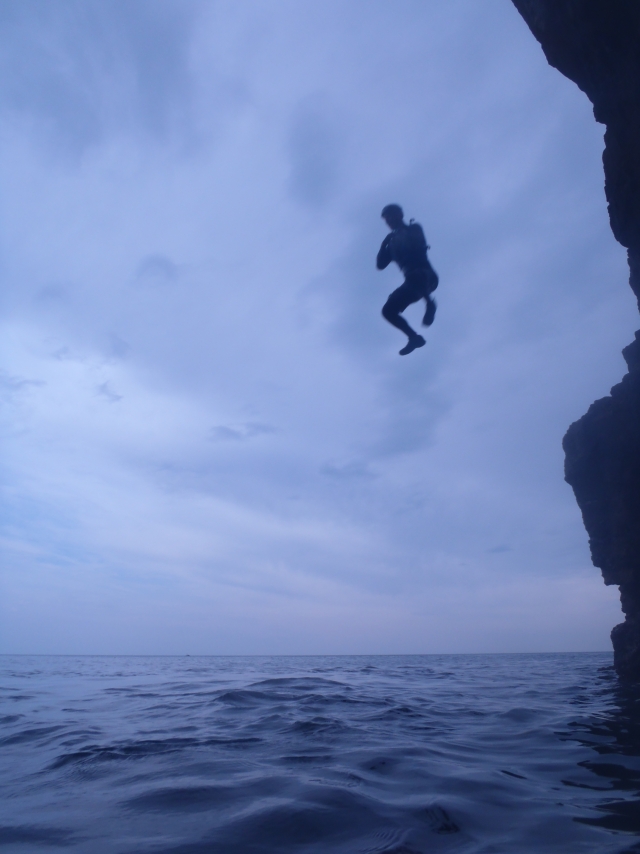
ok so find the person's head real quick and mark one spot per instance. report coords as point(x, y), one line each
point(393, 215)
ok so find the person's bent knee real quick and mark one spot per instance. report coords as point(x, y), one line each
point(388, 311)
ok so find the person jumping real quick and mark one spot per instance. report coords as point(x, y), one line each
point(406, 245)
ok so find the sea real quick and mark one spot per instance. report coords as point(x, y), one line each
point(392, 754)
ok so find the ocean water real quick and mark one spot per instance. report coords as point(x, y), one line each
point(256, 755)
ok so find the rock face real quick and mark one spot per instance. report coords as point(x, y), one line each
point(596, 43)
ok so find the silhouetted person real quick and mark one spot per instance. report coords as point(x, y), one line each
point(406, 245)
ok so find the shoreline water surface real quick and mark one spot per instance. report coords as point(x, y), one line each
point(388, 754)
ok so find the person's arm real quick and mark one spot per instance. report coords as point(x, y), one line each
point(384, 255)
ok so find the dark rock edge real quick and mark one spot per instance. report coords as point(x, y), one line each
point(596, 43)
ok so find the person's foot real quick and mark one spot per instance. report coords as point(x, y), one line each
point(430, 313)
point(412, 344)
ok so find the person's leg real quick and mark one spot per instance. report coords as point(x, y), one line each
point(430, 312)
point(424, 281)
point(398, 301)
point(412, 344)
point(393, 316)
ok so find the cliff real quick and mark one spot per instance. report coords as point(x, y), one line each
point(596, 43)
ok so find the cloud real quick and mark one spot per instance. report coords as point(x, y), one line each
point(156, 270)
point(118, 349)
point(85, 68)
point(223, 433)
point(12, 383)
point(315, 151)
point(106, 391)
point(354, 469)
point(52, 292)
point(274, 477)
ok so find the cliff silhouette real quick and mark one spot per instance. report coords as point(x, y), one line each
point(596, 43)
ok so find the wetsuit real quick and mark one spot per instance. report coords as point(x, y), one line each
point(406, 245)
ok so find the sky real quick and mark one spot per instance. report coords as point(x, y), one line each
point(210, 443)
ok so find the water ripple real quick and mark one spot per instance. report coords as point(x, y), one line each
point(319, 755)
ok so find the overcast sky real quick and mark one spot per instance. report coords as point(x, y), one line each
point(210, 443)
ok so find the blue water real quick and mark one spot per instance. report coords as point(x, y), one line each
point(384, 754)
